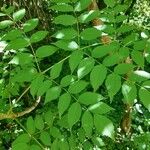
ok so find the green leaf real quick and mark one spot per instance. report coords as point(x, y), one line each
point(60, 1)
point(63, 145)
point(45, 51)
point(67, 34)
point(74, 114)
point(55, 132)
point(125, 28)
point(85, 67)
point(39, 123)
point(38, 36)
point(24, 146)
point(49, 118)
point(45, 138)
point(56, 70)
point(38, 81)
point(31, 24)
point(18, 44)
point(23, 138)
point(120, 18)
point(87, 122)
point(77, 86)
point(129, 92)
point(19, 14)
point(139, 45)
point(35, 147)
point(55, 145)
point(67, 80)
point(65, 20)
point(67, 45)
point(113, 84)
point(63, 103)
point(120, 8)
point(75, 59)
point(138, 58)
point(82, 4)
point(88, 98)
point(111, 60)
point(97, 76)
point(89, 16)
point(104, 126)
point(123, 68)
point(139, 76)
point(30, 125)
point(24, 58)
point(123, 53)
point(100, 108)
point(13, 34)
point(90, 34)
point(103, 50)
point(110, 3)
point(144, 94)
point(52, 94)
point(62, 7)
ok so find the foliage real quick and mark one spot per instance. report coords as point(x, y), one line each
point(79, 81)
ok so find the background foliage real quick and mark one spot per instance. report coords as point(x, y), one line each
point(74, 77)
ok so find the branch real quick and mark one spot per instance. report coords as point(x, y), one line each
point(20, 114)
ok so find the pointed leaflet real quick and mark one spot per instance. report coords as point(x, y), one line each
point(63, 103)
point(67, 45)
point(45, 51)
point(44, 87)
point(19, 14)
point(110, 3)
point(6, 23)
point(90, 34)
point(75, 59)
point(87, 122)
point(38, 36)
point(13, 34)
point(104, 126)
point(74, 114)
point(30, 125)
point(45, 138)
point(56, 70)
point(77, 86)
point(65, 20)
point(39, 123)
point(23, 138)
point(123, 68)
point(52, 94)
point(103, 50)
point(62, 7)
point(129, 92)
point(88, 98)
point(138, 58)
point(88, 16)
point(113, 84)
point(111, 60)
point(18, 44)
point(82, 4)
point(100, 108)
point(31, 24)
point(85, 66)
point(67, 34)
point(144, 94)
point(67, 80)
point(97, 76)
point(38, 81)
point(63, 145)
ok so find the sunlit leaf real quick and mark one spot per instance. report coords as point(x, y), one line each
point(104, 126)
